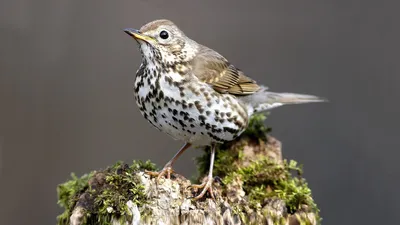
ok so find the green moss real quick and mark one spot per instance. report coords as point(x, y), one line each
point(263, 178)
point(68, 194)
point(223, 163)
point(108, 189)
point(256, 126)
point(266, 179)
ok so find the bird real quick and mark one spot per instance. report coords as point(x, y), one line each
point(195, 95)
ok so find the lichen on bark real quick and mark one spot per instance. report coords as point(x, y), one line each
point(253, 186)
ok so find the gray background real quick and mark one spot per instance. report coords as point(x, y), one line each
point(66, 104)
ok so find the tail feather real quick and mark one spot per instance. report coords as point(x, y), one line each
point(264, 100)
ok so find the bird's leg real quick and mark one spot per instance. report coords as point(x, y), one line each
point(207, 185)
point(168, 167)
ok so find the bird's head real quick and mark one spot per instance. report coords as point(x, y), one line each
point(162, 42)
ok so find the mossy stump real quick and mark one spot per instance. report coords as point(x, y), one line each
point(253, 185)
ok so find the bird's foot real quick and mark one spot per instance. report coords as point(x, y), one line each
point(166, 171)
point(206, 186)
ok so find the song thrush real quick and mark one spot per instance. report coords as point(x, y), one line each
point(194, 94)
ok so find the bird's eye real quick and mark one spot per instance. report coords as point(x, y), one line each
point(164, 34)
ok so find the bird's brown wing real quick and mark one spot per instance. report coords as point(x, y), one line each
point(212, 68)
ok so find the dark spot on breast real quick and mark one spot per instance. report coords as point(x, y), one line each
point(231, 130)
point(152, 123)
point(161, 94)
point(147, 99)
point(168, 80)
point(198, 106)
point(214, 129)
point(182, 123)
point(215, 137)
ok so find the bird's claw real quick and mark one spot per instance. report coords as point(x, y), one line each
point(206, 186)
point(167, 170)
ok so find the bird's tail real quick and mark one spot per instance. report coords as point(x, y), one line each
point(264, 100)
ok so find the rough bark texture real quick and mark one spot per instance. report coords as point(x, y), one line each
point(255, 186)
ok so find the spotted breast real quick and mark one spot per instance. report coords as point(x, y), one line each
point(176, 102)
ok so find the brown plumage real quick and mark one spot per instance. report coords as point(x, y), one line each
point(212, 68)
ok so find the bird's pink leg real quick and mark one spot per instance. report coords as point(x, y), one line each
point(167, 170)
point(207, 185)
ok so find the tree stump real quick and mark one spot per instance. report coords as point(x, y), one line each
point(253, 185)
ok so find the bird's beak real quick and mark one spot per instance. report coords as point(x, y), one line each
point(137, 35)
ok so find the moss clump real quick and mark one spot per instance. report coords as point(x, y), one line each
point(103, 194)
point(262, 178)
point(68, 194)
point(256, 127)
point(265, 179)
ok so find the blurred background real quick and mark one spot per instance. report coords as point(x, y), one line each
point(66, 102)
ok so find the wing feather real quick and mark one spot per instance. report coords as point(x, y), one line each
point(212, 68)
